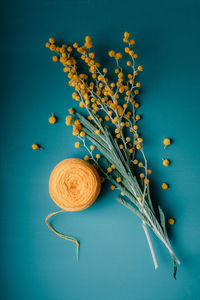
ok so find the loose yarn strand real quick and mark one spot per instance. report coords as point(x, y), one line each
point(65, 237)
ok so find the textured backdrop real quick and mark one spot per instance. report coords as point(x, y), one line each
point(115, 262)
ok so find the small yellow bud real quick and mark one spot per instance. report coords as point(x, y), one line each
point(86, 157)
point(98, 156)
point(92, 147)
point(149, 172)
point(71, 111)
point(167, 142)
point(52, 119)
point(55, 58)
point(139, 199)
point(165, 186)
point(118, 179)
point(112, 187)
point(135, 161)
point(77, 145)
point(82, 133)
point(140, 68)
point(141, 175)
point(146, 181)
point(35, 147)
point(171, 221)
point(140, 164)
point(166, 162)
point(98, 131)
point(52, 40)
point(109, 170)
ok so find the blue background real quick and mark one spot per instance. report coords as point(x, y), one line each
point(115, 261)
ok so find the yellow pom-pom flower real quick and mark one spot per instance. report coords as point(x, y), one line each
point(68, 120)
point(52, 40)
point(165, 186)
point(167, 142)
point(55, 58)
point(71, 111)
point(35, 147)
point(52, 119)
point(77, 145)
point(171, 221)
point(118, 179)
point(98, 131)
point(140, 68)
point(82, 133)
point(166, 162)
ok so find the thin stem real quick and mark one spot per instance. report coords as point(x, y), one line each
point(150, 244)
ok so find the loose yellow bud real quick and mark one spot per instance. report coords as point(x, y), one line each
point(86, 157)
point(113, 167)
point(77, 145)
point(122, 194)
point(149, 172)
point(165, 186)
point(92, 147)
point(166, 162)
point(35, 147)
point(118, 179)
point(141, 175)
point(135, 127)
point(139, 199)
point(128, 63)
point(98, 156)
point(52, 119)
point(109, 170)
point(140, 140)
point(140, 164)
point(128, 139)
point(121, 146)
point(135, 161)
point(171, 221)
point(167, 142)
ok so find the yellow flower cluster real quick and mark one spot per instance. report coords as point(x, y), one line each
point(111, 101)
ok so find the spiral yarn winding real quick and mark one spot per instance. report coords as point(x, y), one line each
point(74, 185)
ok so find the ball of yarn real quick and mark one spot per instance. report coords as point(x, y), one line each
point(74, 184)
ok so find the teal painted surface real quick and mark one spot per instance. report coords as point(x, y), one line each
point(115, 262)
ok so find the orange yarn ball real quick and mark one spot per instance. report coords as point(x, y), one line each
point(74, 184)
